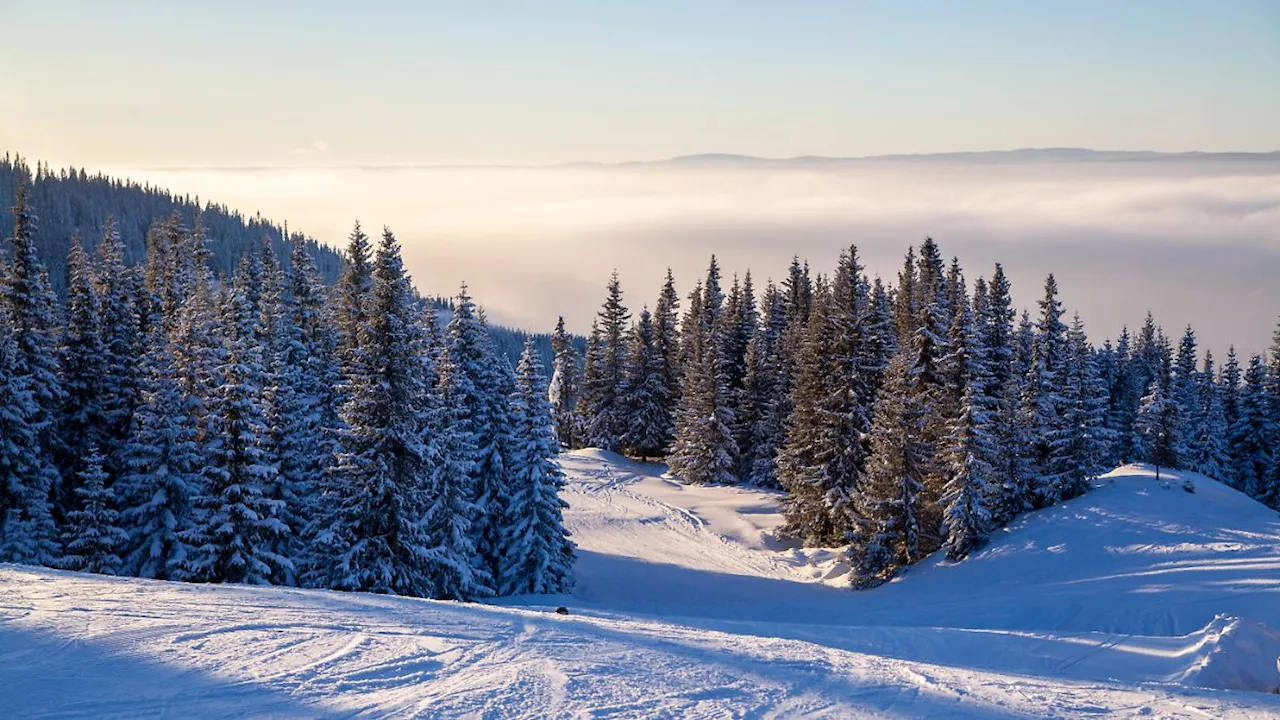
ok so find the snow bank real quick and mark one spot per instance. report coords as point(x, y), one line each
point(1236, 654)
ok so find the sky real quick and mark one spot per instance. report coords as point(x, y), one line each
point(165, 84)
point(440, 119)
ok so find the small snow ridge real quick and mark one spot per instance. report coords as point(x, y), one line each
point(1235, 654)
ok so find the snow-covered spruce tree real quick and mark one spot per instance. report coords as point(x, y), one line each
point(1078, 446)
point(237, 528)
point(82, 422)
point(1122, 407)
point(1207, 448)
point(810, 454)
point(1230, 387)
point(352, 292)
point(648, 429)
point(116, 286)
point(1156, 426)
point(162, 471)
point(667, 344)
point(1042, 401)
point(93, 537)
point(741, 319)
point(373, 530)
point(966, 519)
point(602, 404)
point(1183, 389)
point(1250, 434)
point(763, 388)
point(475, 487)
point(26, 524)
point(1000, 400)
point(822, 461)
point(198, 350)
point(538, 553)
point(301, 410)
point(880, 343)
point(891, 507)
point(563, 388)
point(31, 309)
point(703, 450)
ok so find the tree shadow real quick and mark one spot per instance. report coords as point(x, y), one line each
point(51, 676)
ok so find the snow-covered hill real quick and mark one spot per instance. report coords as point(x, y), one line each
point(1138, 599)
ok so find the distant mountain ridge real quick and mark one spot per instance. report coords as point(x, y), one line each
point(984, 156)
point(1054, 155)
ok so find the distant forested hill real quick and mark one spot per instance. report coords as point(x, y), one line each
point(70, 200)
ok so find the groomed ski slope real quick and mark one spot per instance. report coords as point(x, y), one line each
point(1136, 600)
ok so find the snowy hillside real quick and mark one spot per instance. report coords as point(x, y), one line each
point(1136, 600)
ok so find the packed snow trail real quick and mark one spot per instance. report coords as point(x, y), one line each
point(1135, 600)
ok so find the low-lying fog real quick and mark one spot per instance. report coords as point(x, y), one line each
point(1195, 241)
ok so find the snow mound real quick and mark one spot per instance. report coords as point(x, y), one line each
point(1236, 654)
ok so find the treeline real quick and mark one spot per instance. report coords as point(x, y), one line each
point(905, 419)
point(70, 202)
point(258, 427)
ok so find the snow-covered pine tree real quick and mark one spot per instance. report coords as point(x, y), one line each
point(741, 318)
point(300, 410)
point(25, 519)
point(538, 553)
point(30, 535)
point(478, 445)
point(811, 466)
point(880, 343)
point(1249, 436)
point(966, 519)
point(602, 401)
point(1078, 446)
point(891, 508)
point(492, 424)
point(703, 450)
point(352, 292)
point(237, 528)
point(374, 534)
point(93, 537)
point(162, 470)
point(1042, 399)
point(1229, 388)
point(81, 419)
point(995, 348)
point(1183, 389)
point(198, 350)
point(667, 344)
point(648, 429)
point(823, 459)
point(1122, 405)
point(1157, 426)
point(563, 388)
point(116, 286)
point(763, 387)
point(1207, 448)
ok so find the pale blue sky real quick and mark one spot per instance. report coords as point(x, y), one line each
point(236, 82)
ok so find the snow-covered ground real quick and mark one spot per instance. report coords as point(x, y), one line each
point(1138, 599)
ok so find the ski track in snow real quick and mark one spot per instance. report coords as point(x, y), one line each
point(1133, 601)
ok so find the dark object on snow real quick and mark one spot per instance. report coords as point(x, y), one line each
point(562, 610)
point(1189, 486)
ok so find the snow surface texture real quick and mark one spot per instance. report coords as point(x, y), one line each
point(1136, 600)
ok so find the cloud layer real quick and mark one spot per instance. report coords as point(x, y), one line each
point(1195, 242)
